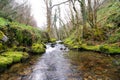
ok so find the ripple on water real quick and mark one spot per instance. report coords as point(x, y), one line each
point(51, 66)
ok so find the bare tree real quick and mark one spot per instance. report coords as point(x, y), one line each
point(49, 7)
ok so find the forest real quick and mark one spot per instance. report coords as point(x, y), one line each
point(82, 45)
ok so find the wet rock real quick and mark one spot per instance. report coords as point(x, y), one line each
point(52, 45)
point(38, 48)
point(61, 48)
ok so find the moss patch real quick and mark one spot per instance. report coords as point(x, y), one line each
point(16, 56)
point(53, 40)
point(38, 48)
point(9, 58)
point(1, 35)
point(4, 62)
point(110, 49)
point(104, 48)
point(91, 48)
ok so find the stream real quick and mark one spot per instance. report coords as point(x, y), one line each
point(58, 63)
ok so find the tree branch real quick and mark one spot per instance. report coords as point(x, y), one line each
point(60, 3)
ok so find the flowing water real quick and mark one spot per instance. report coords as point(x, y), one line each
point(58, 63)
point(52, 65)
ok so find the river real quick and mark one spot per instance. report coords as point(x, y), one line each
point(58, 63)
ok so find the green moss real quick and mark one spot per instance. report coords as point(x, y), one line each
point(16, 56)
point(1, 35)
point(53, 40)
point(69, 42)
point(4, 62)
point(3, 21)
point(91, 48)
point(21, 34)
point(38, 48)
point(8, 58)
point(1, 46)
point(110, 49)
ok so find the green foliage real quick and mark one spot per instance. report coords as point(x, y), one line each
point(73, 40)
point(38, 48)
point(107, 10)
point(115, 37)
point(22, 35)
point(114, 18)
point(3, 22)
point(69, 42)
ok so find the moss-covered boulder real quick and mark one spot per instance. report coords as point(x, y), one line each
point(53, 40)
point(9, 58)
point(38, 48)
point(4, 62)
point(16, 56)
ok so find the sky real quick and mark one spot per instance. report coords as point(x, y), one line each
point(39, 12)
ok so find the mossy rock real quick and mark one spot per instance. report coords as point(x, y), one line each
point(110, 49)
point(22, 35)
point(53, 40)
point(4, 62)
point(16, 56)
point(91, 48)
point(38, 48)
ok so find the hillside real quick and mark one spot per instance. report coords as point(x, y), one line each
point(17, 41)
point(106, 37)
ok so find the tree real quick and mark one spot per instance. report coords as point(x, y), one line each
point(49, 7)
point(6, 8)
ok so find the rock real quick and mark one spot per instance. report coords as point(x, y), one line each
point(3, 37)
point(38, 48)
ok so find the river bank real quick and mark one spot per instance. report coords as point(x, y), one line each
point(65, 65)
